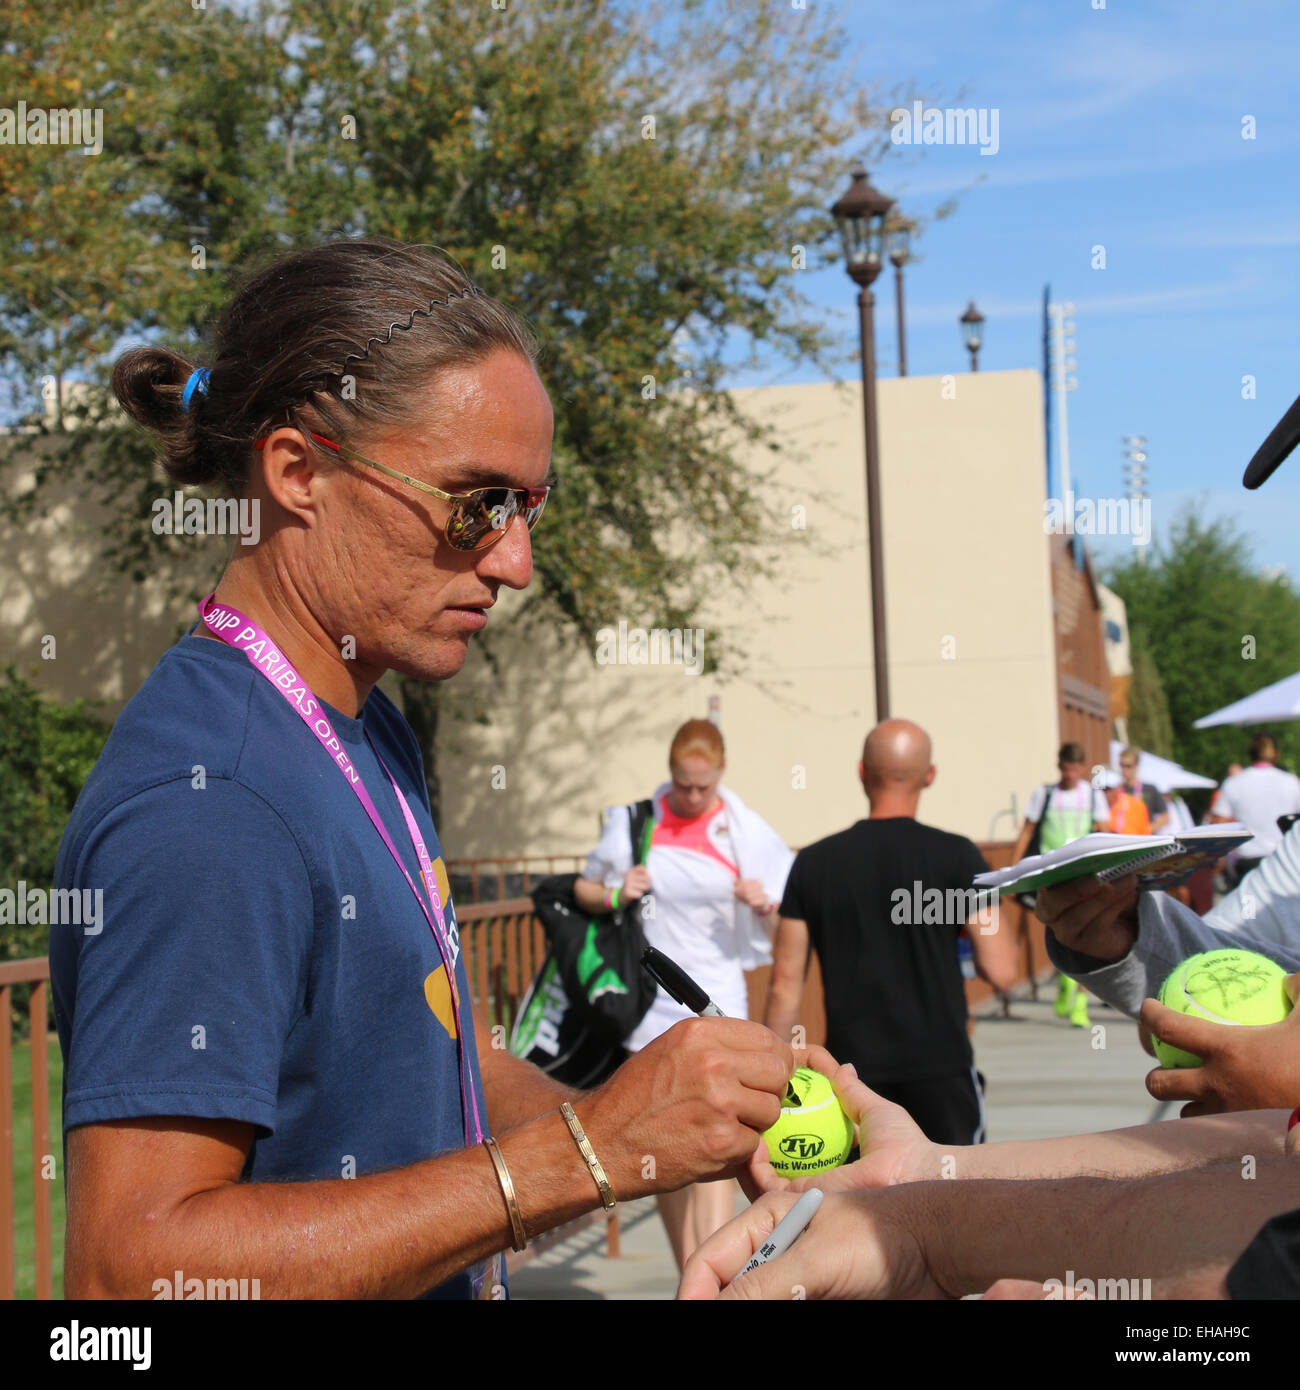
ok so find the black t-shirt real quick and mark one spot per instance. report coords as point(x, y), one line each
point(880, 907)
point(1269, 1267)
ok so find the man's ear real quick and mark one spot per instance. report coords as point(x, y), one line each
point(930, 775)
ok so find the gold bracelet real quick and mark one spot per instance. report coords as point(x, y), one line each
point(588, 1153)
point(520, 1241)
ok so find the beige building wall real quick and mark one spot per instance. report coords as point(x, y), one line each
point(969, 619)
point(970, 639)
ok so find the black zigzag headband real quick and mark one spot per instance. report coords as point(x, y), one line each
point(410, 321)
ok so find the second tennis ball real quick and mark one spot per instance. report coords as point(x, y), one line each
point(1225, 986)
point(813, 1133)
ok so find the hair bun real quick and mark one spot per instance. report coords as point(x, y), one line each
point(150, 383)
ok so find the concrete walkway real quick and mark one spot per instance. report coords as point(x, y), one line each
point(1044, 1078)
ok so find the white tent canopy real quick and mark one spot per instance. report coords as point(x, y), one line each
point(1161, 773)
point(1272, 705)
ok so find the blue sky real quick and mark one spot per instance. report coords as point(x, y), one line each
point(1120, 127)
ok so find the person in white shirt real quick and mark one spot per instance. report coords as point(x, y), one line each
point(1256, 797)
point(1056, 814)
point(713, 878)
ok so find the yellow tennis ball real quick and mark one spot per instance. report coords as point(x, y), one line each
point(813, 1133)
point(1225, 986)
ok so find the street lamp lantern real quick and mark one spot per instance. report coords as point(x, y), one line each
point(972, 332)
point(861, 214)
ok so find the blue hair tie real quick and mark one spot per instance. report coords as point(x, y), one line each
point(198, 381)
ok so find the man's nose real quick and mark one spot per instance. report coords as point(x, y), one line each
point(510, 560)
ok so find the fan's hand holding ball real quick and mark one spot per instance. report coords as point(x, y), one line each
point(813, 1134)
point(1240, 987)
point(1225, 1034)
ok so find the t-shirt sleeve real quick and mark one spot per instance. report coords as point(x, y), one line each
point(1100, 807)
point(610, 861)
point(794, 901)
point(1155, 802)
point(1037, 804)
point(182, 1000)
point(1269, 1267)
point(971, 862)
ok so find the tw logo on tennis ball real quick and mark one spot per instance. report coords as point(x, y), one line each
point(1226, 986)
point(813, 1133)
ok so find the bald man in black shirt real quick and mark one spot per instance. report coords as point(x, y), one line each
point(883, 903)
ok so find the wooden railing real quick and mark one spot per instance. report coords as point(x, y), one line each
point(504, 945)
point(501, 877)
point(37, 974)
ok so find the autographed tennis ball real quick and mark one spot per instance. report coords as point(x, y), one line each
point(1225, 986)
point(813, 1133)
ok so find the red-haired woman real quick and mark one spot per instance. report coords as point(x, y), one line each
point(716, 871)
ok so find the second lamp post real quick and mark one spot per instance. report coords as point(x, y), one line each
point(861, 214)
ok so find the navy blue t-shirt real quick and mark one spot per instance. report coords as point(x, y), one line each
point(260, 956)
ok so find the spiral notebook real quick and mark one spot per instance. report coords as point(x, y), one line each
point(1159, 861)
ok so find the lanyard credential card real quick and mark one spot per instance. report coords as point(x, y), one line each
point(240, 632)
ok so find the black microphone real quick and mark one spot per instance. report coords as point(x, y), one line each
point(1269, 455)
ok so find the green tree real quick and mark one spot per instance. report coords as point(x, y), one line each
point(646, 184)
point(1216, 629)
point(1149, 725)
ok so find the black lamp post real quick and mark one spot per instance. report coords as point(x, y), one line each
point(861, 214)
point(972, 332)
point(899, 236)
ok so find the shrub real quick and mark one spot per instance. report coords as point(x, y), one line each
point(46, 753)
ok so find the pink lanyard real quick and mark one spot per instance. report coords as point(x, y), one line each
point(268, 661)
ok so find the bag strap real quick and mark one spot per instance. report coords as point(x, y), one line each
point(641, 823)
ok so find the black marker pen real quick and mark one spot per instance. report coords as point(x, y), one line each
point(665, 971)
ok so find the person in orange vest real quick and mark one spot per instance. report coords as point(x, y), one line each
point(1128, 813)
point(1137, 798)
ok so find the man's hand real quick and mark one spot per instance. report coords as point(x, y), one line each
point(858, 1246)
point(893, 1148)
point(635, 885)
point(690, 1107)
point(1095, 918)
point(1245, 1068)
point(752, 893)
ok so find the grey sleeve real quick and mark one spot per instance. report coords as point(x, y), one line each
point(1262, 915)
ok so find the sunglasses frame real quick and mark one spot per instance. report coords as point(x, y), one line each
point(457, 499)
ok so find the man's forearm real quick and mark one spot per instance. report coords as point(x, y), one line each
point(1136, 1152)
point(782, 1007)
point(517, 1091)
point(1183, 1231)
point(384, 1235)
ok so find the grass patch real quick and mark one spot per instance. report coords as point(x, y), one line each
point(24, 1208)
